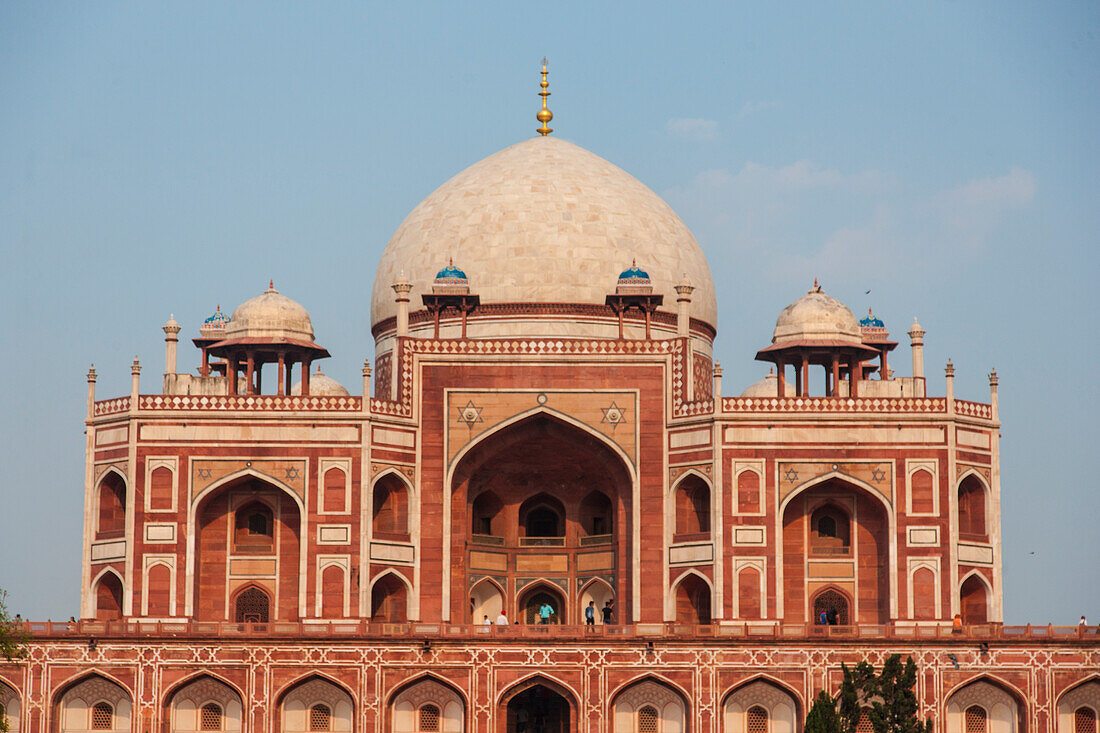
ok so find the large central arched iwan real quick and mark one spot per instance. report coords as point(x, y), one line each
point(541, 500)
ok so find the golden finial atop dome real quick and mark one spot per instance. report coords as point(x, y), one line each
point(544, 115)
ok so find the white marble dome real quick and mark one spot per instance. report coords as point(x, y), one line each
point(321, 385)
point(768, 387)
point(544, 221)
point(816, 317)
point(270, 316)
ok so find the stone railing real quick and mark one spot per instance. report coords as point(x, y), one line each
point(746, 631)
point(836, 404)
point(111, 407)
point(974, 409)
point(285, 403)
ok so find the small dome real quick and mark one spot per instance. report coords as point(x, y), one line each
point(451, 280)
point(270, 316)
point(321, 386)
point(634, 280)
point(871, 321)
point(816, 317)
point(768, 387)
point(215, 324)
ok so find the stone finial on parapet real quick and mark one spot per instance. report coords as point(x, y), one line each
point(717, 387)
point(171, 340)
point(683, 306)
point(916, 341)
point(993, 381)
point(366, 380)
point(91, 390)
point(949, 373)
point(401, 289)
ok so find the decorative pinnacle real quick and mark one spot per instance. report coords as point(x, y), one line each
point(544, 115)
point(91, 373)
point(271, 286)
point(949, 368)
point(993, 378)
point(816, 288)
point(366, 367)
point(135, 367)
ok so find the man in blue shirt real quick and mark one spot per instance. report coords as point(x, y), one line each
point(545, 612)
point(590, 614)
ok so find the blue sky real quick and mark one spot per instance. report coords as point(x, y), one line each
point(164, 158)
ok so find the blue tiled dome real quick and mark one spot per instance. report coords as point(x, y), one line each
point(450, 272)
point(216, 323)
point(871, 321)
point(634, 273)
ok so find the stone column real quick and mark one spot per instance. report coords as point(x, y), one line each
point(91, 391)
point(401, 288)
point(171, 340)
point(717, 387)
point(916, 342)
point(683, 307)
point(949, 373)
point(993, 380)
point(135, 382)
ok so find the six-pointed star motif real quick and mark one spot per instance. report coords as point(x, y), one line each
point(469, 414)
point(790, 474)
point(613, 415)
point(878, 475)
point(292, 472)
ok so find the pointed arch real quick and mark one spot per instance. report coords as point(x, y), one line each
point(11, 709)
point(986, 589)
point(553, 415)
point(183, 703)
point(653, 677)
point(393, 471)
point(973, 504)
point(1078, 703)
point(527, 596)
point(111, 498)
point(407, 703)
point(74, 702)
point(832, 597)
point(539, 678)
point(598, 591)
point(1005, 705)
point(236, 476)
point(692, 471)
point(649, 702)
point(691, 500)
point(296, 700)
point(389, 594)
point(425, 676)
point(108, 591)
point(844, 478)
point(691, 598)
point(487, 598)
point(768, 700)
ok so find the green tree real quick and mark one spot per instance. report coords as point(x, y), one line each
point(13, 645)
point(888, 697)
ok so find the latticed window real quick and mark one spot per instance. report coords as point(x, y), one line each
point(864, 724)
point(1084, 720)
point(320, 717)
point(647, 719)
point(756, 720)
point(253, 606)
point(975, 721)
point(210, 718)
point(429, 719)
point(103, 716)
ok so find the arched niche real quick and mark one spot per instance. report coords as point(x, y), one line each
point(94, 703)
point(252, 605)
point(540, 481)
point(259, 522)
point(108, 593)
point(204, 703)
point(316, 705)
point(692, 505)
point(760, 706)
point(599, 593)
point(486, 601)
point(110, 506)
point(542, 516)
point(649, 706)
point(10, 708)
point(1078, 707)
point(1001, 710)
point(869, 519)
point(972, 508)
point(974, 599)
point(427, 705)
point(692, 600)
point(832, 602)
point(389, 599)
point(534, 596)
point(390, 507)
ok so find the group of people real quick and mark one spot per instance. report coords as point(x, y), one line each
point(546, 614)
point(828, 618)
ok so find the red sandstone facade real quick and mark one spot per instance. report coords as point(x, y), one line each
point(300, 558)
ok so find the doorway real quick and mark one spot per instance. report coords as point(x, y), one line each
point(538, 710)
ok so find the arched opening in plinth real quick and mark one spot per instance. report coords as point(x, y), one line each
point(315, 704)
point(203, 703)
point(537, 705)
point(542, 497)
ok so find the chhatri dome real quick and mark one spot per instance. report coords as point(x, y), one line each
point(816, 317)
point(270, 315)
point(544, 222)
